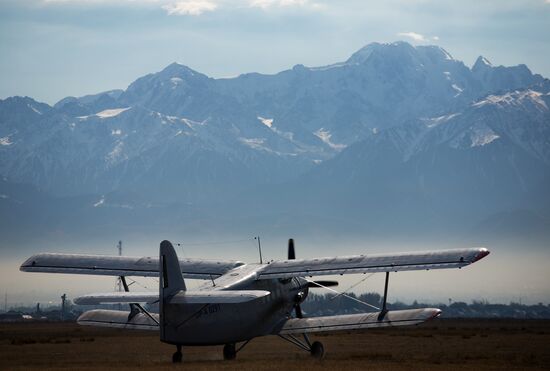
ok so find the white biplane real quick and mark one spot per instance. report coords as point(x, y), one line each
point(240, 301)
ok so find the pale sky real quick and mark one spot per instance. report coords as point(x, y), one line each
point(50, 49)
point(55, 48)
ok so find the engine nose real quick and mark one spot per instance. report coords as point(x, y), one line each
point(303, 290)
point(300, 297)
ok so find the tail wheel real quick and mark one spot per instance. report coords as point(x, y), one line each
point(229, 352)
point(177, 357)
point(317, 350)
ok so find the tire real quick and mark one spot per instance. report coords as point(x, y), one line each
point(177, 357)
point(229, 352)
point(317, 350)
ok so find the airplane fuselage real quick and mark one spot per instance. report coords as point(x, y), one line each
point(214, 324)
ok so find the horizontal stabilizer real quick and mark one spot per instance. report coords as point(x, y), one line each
point(182, 297)
point(217, 296)
point(118, 319)
point(358, 321)
point(422, 260)
point(108, 265)
point(117, 298)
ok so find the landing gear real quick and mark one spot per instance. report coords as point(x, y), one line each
point(177, 357)
point(229, 352)
point(317, 350)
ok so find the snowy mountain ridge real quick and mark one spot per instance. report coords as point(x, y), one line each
point(392, 122)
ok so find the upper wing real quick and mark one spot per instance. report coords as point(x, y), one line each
point(182, 297)
point(373, 263)
point(122, 265)
point(357, 321)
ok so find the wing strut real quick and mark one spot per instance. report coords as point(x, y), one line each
point(384, 309)
point(316, 348)
point(135, 308)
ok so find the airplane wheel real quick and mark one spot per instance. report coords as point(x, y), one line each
point(317, 350)
point(177, 356)
point(229, 352)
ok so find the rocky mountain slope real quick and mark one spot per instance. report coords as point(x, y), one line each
point(395, 134)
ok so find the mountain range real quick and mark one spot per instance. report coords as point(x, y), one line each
point(397, 139)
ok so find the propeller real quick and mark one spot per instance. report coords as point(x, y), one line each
point(291, 252)
point(321, 284)
point(298, 311)
point(315, 284)
point(300, 296)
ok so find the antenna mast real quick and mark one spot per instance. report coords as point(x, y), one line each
point(259, 248)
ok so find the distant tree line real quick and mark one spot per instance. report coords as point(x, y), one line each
point(322, 305)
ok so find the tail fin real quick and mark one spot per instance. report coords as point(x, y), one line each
point(171, 279)
point(170, 283)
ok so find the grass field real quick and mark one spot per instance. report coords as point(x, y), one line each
point(440, 344)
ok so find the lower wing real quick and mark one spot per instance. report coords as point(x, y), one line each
point(357, 321)
point(119, 319)
point(142, 321)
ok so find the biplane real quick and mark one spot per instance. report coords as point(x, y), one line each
point(238, 302)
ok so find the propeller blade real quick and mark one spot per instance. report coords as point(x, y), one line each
point(291, 252)
point(292, 256)
point(298, 310)
point(319, 284)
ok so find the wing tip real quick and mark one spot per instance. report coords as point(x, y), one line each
point(27, 265)
point(482, 252)
point(435, 313)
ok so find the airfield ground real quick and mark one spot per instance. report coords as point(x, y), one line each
point(438, 345)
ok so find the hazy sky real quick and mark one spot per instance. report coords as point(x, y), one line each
point(502, 277)
point(512, 272)
point(54, 48)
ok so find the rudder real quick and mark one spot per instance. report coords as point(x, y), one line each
point(170, 283)
point(170, 278)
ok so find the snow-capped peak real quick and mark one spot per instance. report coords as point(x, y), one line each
point(363, 54)
point(178, 70)
point(481, 63)
point(485, 61)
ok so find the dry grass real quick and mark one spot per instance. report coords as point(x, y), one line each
point(440, 344)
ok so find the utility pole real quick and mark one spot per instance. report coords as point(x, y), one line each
point(63, 298)
point(6, 302)
point(118, 282)
point(119, 285)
